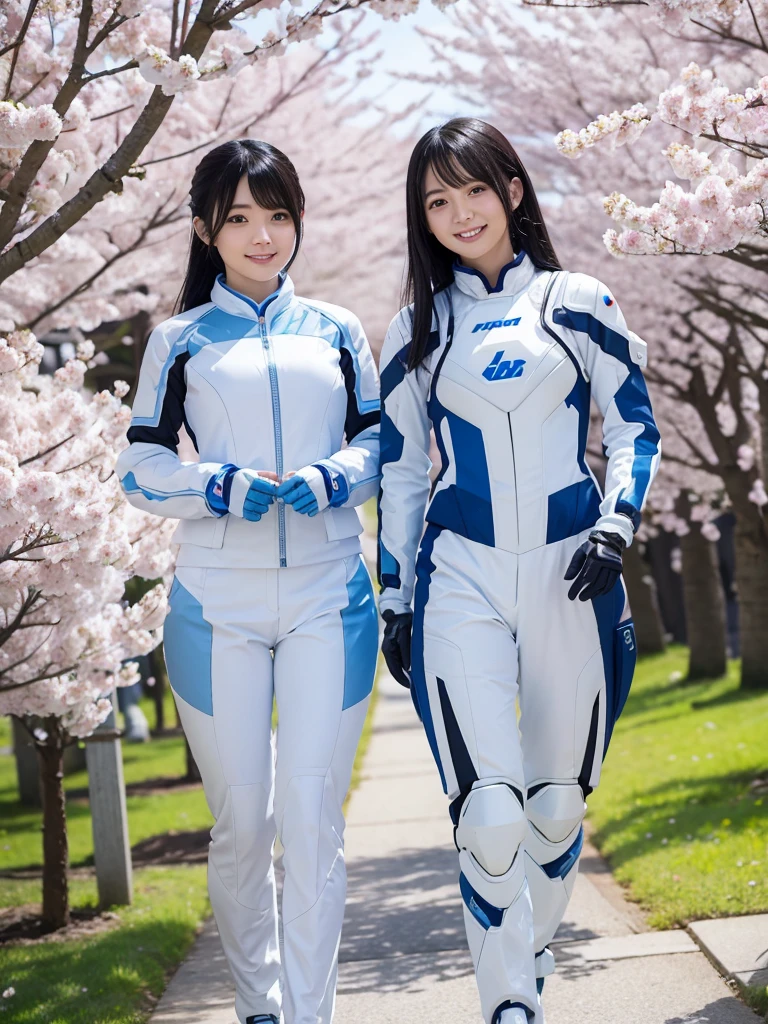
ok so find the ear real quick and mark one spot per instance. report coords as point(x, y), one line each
point(200, 230)
point(516, 192)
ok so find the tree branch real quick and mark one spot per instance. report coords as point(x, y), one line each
point(16, 46)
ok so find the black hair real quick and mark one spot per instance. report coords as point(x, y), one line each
point(463, 149)
point(274, 185)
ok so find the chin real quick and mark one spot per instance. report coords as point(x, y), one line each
point(260, 274)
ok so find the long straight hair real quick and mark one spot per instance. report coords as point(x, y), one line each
point(274, 185)
point(462, 150)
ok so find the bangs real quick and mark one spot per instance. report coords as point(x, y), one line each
point(268, 186)
point(457, 160)
point(448, 165)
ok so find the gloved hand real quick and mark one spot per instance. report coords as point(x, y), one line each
point(596, 565)
point(294, 490)
point(396, 645)
point(251, 494)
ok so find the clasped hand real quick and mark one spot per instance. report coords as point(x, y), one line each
point(254, 491)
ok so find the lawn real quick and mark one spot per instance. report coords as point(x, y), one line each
point(181, 810)
point(681, 813)
point(113, 977)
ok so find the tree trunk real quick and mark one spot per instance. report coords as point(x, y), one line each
point(157, 661)
point(704, 606)
point(641, 588)
point(193, 772)
point(55, 844)
point(752, 583)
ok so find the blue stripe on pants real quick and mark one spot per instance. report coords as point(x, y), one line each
point(424, 569)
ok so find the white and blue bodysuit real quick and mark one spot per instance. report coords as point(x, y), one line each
point(508, 395)
point(281, 608)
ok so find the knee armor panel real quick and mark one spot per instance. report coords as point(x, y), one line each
point(491, 827)
point(556, 810)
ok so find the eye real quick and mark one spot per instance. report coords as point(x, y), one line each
point(435, 204)
point(280, 215)
point(236, 218)
point(476, 190)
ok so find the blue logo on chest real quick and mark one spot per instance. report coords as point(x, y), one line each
point(503, 369)
point(490, 324)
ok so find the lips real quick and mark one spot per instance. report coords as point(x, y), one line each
point(258, 258)
point(471, 234)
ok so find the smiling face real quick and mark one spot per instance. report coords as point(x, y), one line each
point(471, 221)
point(254, 244)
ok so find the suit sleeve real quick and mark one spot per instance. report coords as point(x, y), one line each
point(150, 471)
point(613, 357)
point(351, 476)
point(405, 467)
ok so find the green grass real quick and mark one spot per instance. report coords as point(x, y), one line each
point(179, 810)
point(678, 813)
point(111, 977)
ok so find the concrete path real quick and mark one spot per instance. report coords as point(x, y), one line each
point(403, 956)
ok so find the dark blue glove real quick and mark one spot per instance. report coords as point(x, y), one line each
point(250, 495)
point(595, 566)
point(396, 645)
point(296, 491)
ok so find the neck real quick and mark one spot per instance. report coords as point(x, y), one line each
point(255, 290)
point(493, 262)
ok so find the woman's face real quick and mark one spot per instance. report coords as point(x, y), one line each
point(254, 244)
point(469, 220)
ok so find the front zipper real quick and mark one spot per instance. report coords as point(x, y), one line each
point(278, 436)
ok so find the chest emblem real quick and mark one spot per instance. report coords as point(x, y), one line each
point(503, 369)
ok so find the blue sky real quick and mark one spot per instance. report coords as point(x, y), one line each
point(403, 49)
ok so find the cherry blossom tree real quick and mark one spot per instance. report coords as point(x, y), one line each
point(68, 543)
point(69, 69)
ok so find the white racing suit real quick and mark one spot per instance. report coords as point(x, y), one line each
point(281, 608)
point(510, 402)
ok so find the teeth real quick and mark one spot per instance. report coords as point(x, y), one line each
point(470, 234)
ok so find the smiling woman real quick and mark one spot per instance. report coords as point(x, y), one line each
point(515, 580)
point(271, 599)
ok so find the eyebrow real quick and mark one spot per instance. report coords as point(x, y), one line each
point(241, 206)
point(436, 191)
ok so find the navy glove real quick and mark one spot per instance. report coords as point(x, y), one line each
point(595, 566)
point(250, 495)
point(396, 645)
point(297, 492)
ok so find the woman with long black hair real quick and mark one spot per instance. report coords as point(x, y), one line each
point(516, 588)
point(271, 598)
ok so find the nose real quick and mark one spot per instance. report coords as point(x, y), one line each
point(260, 235)
point(462, 213)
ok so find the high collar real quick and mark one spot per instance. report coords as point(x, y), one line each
point(237, 304)
point(513, 278)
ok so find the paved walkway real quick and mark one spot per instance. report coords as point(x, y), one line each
point(403, 956)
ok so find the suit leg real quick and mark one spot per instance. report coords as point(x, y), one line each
point(220, 669)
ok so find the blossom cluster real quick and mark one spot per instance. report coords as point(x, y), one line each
point(712, 218)
point(68, 543)
point(20, 125)
point(701, 104)
point(616, 129)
